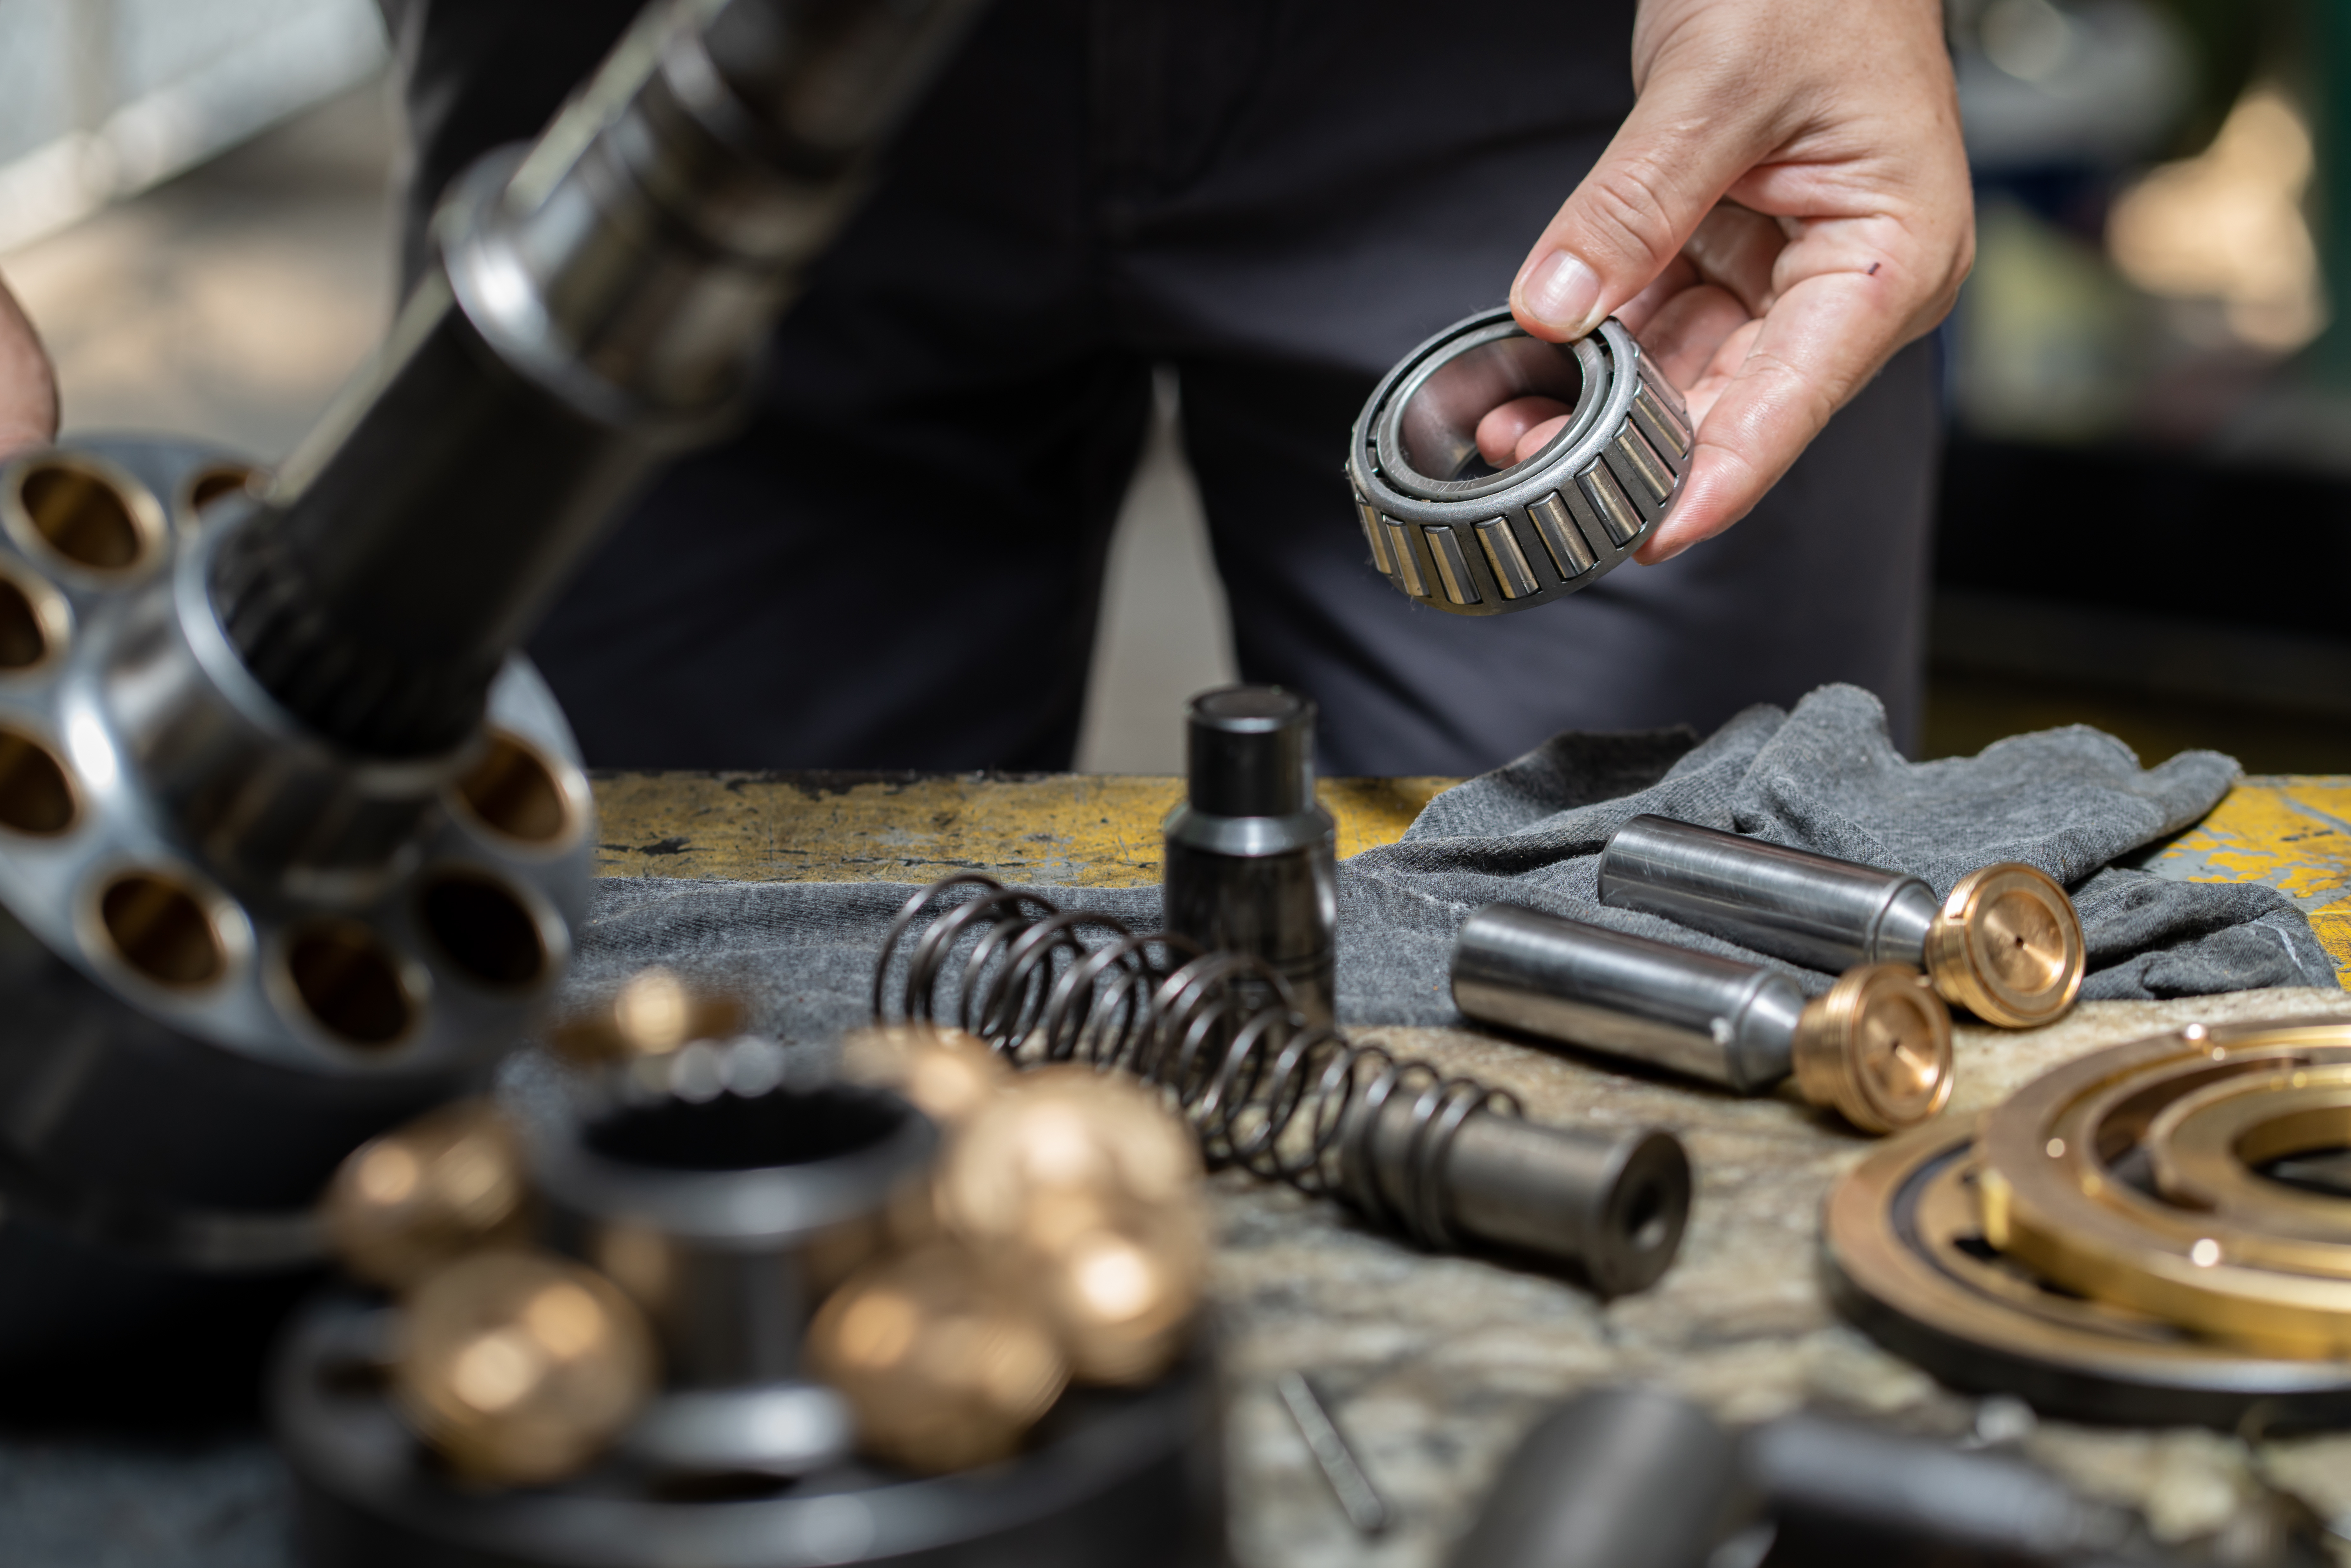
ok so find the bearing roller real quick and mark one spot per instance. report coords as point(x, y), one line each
point(1457, 535)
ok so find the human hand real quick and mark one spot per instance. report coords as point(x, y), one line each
point(28, 388)
point(1786, 205)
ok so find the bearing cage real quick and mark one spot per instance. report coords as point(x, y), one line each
point(1539, 530)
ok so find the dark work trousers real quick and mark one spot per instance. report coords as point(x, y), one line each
point(896, 563)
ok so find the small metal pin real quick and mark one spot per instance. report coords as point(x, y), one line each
point(1358, 1499)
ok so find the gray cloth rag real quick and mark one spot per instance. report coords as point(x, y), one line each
point(1825, 777)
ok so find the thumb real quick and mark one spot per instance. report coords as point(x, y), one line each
point(1670, 162)
point(29, 393)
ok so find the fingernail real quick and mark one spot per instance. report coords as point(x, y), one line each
point(1562, 294)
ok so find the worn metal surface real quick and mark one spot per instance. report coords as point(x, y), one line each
point(2290, 831)
point(1055, 830)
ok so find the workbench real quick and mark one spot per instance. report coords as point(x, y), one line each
point(1435, 1366)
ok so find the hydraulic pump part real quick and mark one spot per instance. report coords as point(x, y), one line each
point(1252, 860)
point(1903, 1247)
point(2005, 943)
point(1450, 531)
point(233, 950)
point(596, 302)
point(1875, 1048)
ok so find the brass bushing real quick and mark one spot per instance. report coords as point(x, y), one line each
point(2007, 946)
point(1878, 1047)
point(656, 1013)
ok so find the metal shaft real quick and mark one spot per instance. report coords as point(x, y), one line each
point(1640, 1478)
point(1716, 1018)
point(599, 302)
point(1620, 1478)
point(1252, 860)
point(1809, 909)
point(1845, 1493)
point(1609, 1203)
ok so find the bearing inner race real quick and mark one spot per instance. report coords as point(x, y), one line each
point(1427, 438)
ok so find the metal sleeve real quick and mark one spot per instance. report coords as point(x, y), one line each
point(1809, 909)
point(1728, 1022)
point(1619, 1478)
point(1250, 860)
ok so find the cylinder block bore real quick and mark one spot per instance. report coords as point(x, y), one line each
point(161, 930)
point(32, 623)
point(514, 792)
point(485, 928)
point(348, 981)
point(87, 515)
point(36, 795)
point(218, 482)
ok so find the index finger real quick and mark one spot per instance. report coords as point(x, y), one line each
point(1827, 332)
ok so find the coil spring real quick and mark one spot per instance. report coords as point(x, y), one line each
point(1264, 1088)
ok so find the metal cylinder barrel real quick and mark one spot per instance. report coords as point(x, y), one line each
point(1877, 1047)
point(1251, 865)
point(2005, 943)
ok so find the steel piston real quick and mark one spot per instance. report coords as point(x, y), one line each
point(2005, 943)
point(1876, 1048)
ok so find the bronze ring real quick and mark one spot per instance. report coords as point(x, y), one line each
point(2051, 1195)
point(2206, 1149)
point(1906, 1262)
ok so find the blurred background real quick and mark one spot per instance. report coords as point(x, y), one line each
point(2145, 505)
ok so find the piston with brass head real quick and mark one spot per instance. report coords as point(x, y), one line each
point(2005, 943)
point(1876, 1048)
